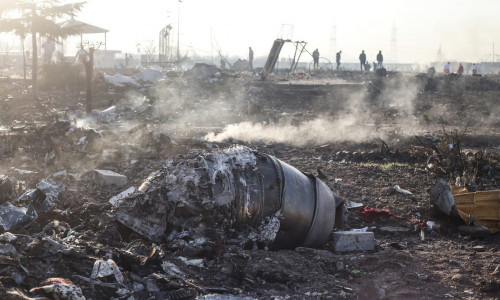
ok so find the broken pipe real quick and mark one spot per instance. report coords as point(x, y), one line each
point(236, 195)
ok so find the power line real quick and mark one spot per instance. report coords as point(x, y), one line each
point(394, 42)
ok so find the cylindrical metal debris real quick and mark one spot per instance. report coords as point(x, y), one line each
point(273, 202)
point(307, 205)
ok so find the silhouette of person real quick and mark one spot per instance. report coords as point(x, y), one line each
point(380, 59)
point(316, 59)
point(446, 68)
point(362, 60)
point(367, 66)
point(474, 69)
point(48, 50)
point(337, 59)
point(250, 58)
point(82, 56)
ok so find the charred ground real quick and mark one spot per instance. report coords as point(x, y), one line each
point(365, 135)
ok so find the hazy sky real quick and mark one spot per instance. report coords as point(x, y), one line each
point(465, 30)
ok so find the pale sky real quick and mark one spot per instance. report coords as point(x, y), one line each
point(466, 30)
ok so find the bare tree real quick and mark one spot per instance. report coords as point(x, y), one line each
point(148, 47)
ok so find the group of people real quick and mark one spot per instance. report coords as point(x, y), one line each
point(362, 60)
point(366, 65)
point(315, 56)
point(49, 47)
point(460, 69)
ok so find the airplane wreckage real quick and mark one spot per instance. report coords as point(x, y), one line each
point(234, 196)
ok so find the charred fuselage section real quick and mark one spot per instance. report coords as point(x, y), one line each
point(233, 196)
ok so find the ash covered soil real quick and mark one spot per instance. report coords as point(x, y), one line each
point(361, 139)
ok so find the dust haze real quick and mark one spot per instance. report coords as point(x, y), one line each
point(354, 121)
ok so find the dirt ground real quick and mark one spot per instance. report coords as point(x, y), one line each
point(400, 120)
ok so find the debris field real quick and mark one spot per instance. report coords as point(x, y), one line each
point(213, 185)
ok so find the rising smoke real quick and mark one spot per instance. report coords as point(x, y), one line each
point(318, 131)
point(354, 116)
point(360, 118)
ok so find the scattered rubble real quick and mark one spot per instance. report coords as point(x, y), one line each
point(353, 241)
point(479, 232)
point(147, 76)
point(60, 288)
point(106, 177)
point(480, 208)
point(442, 197)
point(12, 216)
point(121, 80)
point(190, 218)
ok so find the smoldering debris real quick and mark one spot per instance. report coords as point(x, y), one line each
point(147, 76)
point(6, 188)
point(235, 196)
point(25, 208)
point(12, 216)
point(201, 71)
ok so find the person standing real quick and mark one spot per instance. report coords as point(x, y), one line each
point(380, 59)
point(82, 56)
point(48, 50)
point(316, 59)
point(474, 69)
point(337, 58)
point(362, 60)
point(367, 66)
point(446, 68)
point(250, 58)
point(460, 69)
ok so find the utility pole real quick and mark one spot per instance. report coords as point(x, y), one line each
point(212, 44)
point(178, 29)
point(24, 60)
point(334, 40)
point(89, 69)
point(394, 42)
point(34, 60)
point(332, 50)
